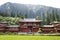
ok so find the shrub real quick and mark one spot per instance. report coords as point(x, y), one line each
point(1, 33)
point(10, 20)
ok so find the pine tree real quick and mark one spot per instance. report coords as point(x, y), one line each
point(53, 15)
point(12, 14)
point(26, 16)
point(57, 16)
point(48, 18)
point(43, 18)
point(37, 18)
point(6, 13)
point(1, 14)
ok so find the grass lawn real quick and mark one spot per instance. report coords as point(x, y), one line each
point(20, 37)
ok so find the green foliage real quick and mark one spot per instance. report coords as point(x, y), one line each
point(43, 20)
point(22, 17)
point(11, 33)
point(46, 17)
point(10, 20)
point(20, 37)
point(37, 18)
point(1, 14)
point(49, 17)
point(12, 14)
point(26, 16)
point(1, 33)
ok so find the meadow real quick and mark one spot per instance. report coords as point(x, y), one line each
point(20, 37)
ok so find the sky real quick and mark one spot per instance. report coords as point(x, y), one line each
point(51, 3)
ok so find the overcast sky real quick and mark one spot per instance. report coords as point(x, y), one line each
point(52, 3)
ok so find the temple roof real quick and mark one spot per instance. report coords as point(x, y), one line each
point(47, 26)
point(30, 20)
point(3, 22)
point(13, 26)
point(54, 22)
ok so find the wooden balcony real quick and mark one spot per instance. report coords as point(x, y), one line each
point(12, 28)
point(3, 24)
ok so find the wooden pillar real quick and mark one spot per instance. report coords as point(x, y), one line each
point(55, 30)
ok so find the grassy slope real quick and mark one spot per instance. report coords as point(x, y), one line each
point(19, 37)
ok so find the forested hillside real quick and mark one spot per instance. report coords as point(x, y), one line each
point(45, 13)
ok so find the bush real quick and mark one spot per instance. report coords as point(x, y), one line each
point(11, 33)
point(10, 20)
point(1, 33)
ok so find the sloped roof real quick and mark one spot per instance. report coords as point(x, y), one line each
point(54, 22)
point(48, 26)
point(13, 26)
point(30, 20)
point(3, 22)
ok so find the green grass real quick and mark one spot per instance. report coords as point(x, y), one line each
point(20, 37)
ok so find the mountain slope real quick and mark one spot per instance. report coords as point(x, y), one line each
point(26, 9)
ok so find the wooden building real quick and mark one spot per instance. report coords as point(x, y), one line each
point(47, 29)
point(56, 26)
point(12, 28)
point(53, 28)
point(29, 25)
point(3, 26)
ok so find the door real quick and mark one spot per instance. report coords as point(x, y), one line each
point(58, 31)
point(30, 28)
